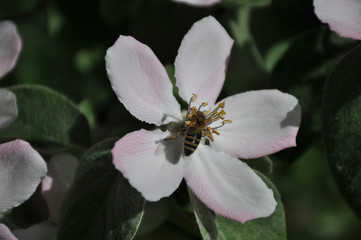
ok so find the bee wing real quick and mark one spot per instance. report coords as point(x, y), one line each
point(160, 149)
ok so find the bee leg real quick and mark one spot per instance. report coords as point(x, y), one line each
point(175, 135)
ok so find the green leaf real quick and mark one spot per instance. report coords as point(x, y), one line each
point(263, 164)
point(341, 126)
point(47, 119)
point(100, 203)
point(171, 74)
point(87, 109)
point(216, 227)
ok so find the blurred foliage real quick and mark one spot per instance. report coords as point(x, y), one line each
point(341, 114)
point(56, 123)
point(314, 208)
point(109, 208)
point(279, 44)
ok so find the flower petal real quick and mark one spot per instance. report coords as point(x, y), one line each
point(8, 108)
point(21, 170)
point(201, 63)
point(263, 122)
point(41, 231)
point(10, 46)
point(153, 166)
point(343, 16)
point(227, 185)
point(5, 233)
point(199, 2)
point(61, 170)
point(141, 82)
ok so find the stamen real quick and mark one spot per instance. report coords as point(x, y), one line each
point(193, 99)
point(202, 105)
point(208, 133)
point(207, 112)
point(214, 112)
point(223, 122)
point(193, 118)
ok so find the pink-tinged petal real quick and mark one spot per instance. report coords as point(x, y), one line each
point(202, 3)
point(21, 170)
point(61, 170)
point(200, 66)
point(227, 185)
point(343, 17)
point(263, 122)
point(41, 231)
point(8, 108)
point(5, 233)
point(153, 166)
point(141, 82)
point(10, 46)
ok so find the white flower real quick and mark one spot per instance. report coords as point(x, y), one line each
point(21, 167)
point(10, 46)
point(343, 17)
point(53, 188)
point(262, 122)
point(201, 3)
point(21, 171)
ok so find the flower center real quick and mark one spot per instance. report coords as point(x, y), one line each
point(199, 121)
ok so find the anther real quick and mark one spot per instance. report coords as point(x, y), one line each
point(215, 131)
point(226, 122)
point(222, 104)
point(194, 97)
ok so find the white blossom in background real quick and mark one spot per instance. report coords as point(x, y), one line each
point(61, 170)
point(21, 167)
point(201, 3)
point(10, 47)
point(21, 171)
point(343, 16)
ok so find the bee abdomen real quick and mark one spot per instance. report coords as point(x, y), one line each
point(191, 142)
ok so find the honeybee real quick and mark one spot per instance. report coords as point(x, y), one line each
point(194, 132)
point(196, 126)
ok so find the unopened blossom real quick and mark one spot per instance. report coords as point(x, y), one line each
point(246, 125)
point(343, 17)
point(201, 3)
point(10, 46)
point(53, 187)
